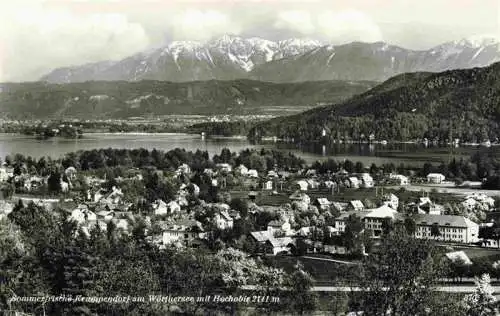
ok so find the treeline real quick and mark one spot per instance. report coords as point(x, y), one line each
point(237, 128)
point(43, 253)
point(398, 127)
point(42, 130)
point(459, 104)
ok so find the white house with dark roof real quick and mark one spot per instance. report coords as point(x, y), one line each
point(391, 200)
point(355, 205)
point(354, 182)
point(323, 203)
point(400, 179)
point(367, 181)
point(302, 185)
point(183, 232)
point(223, 220)
point(452, 228)
point(300, 197)
point(372, 218)
point(277, 245)
point(252, 173)
point(435, 178)
point(280, 226)
point(241, 170)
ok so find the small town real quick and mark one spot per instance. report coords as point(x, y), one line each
point(250, 158)
point(277, 210)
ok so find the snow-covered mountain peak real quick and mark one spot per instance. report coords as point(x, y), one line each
point(479, 41)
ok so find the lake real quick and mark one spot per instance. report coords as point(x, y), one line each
point(412, 154)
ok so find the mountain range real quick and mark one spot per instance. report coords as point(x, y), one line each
point(455, 104)
point(122, 99)
point(294, 60)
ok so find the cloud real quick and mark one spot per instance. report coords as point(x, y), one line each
point(337, 27)
point(348, 26)
point(296, 20)
point(37, 39)
point(202, 25)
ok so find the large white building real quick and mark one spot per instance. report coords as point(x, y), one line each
point(372, 218)
point(435, 178)
point(451, 228)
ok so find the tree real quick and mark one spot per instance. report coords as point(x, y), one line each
point(387, 225)
point(410, 226)
point(239, 205)
point(458, 268)
point(354, 227)
point(481, 303)
point(301, 298)
point(435, 232)
point(54, 182)
point(400, 276)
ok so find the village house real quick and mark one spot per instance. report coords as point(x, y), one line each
point(300, 197)
point(302, 185)
point(70, 173)
point(223, 220)
point(5, 174)
point(280, 227)
point(260, 238)
point(173, 207)
point(375, 217)
point(460, 255)
point(329, 184)
point(323, 204)
point(426, 206)
point(5, 208)
point(241, 170)
point(183, 169)
point(267, 185)
point(209, 172)
point(339, 206)
point(311, 173)
point(355, 205)
point(105, 215)
point(312, 184)
point(160, 207)
point(372, 219)
point(367, 181)
point(272, 174)
point(435, 178)
point(82, 214)
point(33, 183)
point(252, 173)
point(482, 198)
point(353, 182)
point(279, 245)
point(224, 167)
point(451, 228)
point(399, 179)
point(122, 225)
point(391, 200)
point(182, 232)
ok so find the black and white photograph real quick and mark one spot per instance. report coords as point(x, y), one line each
point(250, 157)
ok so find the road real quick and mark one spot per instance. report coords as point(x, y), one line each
point(452, 190)
point(329, 260)
point(444, 288)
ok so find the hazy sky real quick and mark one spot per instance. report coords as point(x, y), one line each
point(38, 35)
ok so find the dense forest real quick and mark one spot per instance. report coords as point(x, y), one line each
point(120, 99)
point(456, 104)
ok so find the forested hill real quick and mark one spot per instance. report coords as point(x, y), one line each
point(462, 104)
point(120, 99)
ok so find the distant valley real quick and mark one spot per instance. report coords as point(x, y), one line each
point(121, 99)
